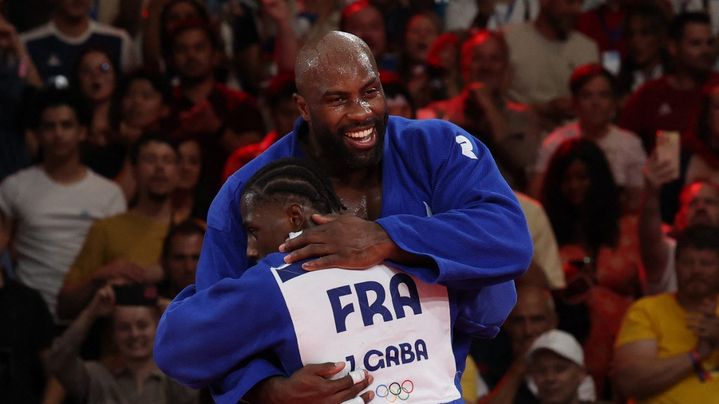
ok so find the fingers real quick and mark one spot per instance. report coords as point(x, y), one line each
point(324, 262)
point(309, 251)
point(325, 370)
point(349, 391)
point(324, 219)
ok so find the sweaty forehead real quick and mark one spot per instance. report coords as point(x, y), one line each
point(332, 58)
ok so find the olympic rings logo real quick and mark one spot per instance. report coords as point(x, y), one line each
point(395, 391)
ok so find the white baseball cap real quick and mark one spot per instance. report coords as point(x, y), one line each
point(561, 343)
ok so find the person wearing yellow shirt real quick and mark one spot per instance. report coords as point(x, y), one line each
point(666, 350)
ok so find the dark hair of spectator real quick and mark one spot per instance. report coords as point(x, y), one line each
point(193, 24)
point(656, 20)
point(481, 37)
point(598, 218)
point(75, 78)
point(703, 130)
point(158, 81)
point(351, 9)
point(394, 87)
point(280, 87)
point(188, 227)
point(430, 15)
point(443, 41)
point(294, 178)
point(680, 22)
point(146, 138)
point(52, 98)
point(700, 237)
point(585, 73)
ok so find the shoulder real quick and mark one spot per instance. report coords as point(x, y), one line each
point(40, 32)
point(108, 30)
point(19, 177)
point(516, 31)
point(562, 133)
point(656, 304)
point(579, 39)
point(626, 137)
point(102, 184)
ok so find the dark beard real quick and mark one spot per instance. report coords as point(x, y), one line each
point(337, 154)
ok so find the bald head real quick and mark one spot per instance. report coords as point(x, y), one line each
point(335, 50)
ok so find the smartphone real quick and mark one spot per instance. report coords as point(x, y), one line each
point(668, 149)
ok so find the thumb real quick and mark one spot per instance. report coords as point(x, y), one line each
point(323, 219)
point(327, 369)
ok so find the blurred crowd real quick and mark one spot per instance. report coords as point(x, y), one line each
point(121, 119)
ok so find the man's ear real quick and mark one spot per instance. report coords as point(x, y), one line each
point(302, 106)
point(296, 216)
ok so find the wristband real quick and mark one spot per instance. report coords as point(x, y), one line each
point(701, 373)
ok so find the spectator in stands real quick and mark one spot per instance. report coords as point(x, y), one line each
point(484, 109)
point(708, 7)
point(666, 350)
point(55, 46)
point(17, 75)
point(646, 56)
point(96, 76)
point(421, 30)
point(670, 102)
point(494, 15)
point(222, 119)
point(556, 368)
point(162, 17)
point(50, 206)
point(141, 104)
point(180, 253)
point(399, 100)
point(598, 245)
point(278, 98)
point(701, 142)
point(127, 247)
point(444, 77)
point(594, 95)
point(24, 342)
point(698, 204)
point(190, 199)
point(365, 20)
point(605, 26)
point(135, 377)
point(505, 370)
point(543, 54)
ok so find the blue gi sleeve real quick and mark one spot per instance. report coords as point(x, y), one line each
point(476, 234)
point(205, 335)
point(474, 230)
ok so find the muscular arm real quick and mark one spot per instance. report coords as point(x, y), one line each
point(640, 373)
point(653, 247)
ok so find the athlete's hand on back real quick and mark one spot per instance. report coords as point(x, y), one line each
point(312, 384)
point(340, 241)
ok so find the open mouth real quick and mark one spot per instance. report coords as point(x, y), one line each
point(362, 138)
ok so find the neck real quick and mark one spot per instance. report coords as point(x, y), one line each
point(159, 210)
point(199, 90)
point(685, 80)
point(140, 369)
point(64, 171)
point(694, 303)
point(71, 26)
point(593, 131)
point(545, 28)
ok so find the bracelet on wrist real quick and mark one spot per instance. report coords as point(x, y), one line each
point(699, 370)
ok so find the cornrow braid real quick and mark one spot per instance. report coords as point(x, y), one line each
point(295, 177)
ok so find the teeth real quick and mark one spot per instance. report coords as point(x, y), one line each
point(361, 134)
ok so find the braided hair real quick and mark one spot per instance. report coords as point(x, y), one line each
point(293, 177)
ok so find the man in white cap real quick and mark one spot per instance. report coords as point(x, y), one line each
point(556, 369)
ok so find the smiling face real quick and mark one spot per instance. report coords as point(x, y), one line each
point(342, 100)
point(134, 331)
point(421, 32)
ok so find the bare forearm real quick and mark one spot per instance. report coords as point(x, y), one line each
point(66, 348)
point(507, 388)
point(75, 297)
point(641, 378)
point(652, 246)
